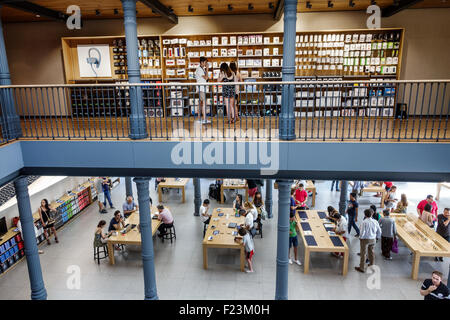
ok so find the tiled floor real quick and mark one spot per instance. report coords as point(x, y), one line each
point(179, 272)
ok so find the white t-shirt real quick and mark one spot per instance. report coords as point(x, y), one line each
point(249, 220)
point(342, 226)
point(199, 73)
point(202, 212)
point(248, 242)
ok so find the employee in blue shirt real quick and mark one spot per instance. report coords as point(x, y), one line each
point(370, 232)
point(107, 192)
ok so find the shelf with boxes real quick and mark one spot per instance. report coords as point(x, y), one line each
point(332, 99)
point(67, 207)
point(11, 249)
point(349, 52)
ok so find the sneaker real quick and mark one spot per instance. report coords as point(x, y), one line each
point(104, 211)
point(40, 251)
point(356, 235)
point(249, 271)
point(290, 261)
point(113, 207)
point(386, 258)
point(298, 262)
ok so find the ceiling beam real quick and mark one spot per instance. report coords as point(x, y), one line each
point(278, 10)
point(35, 9)
point(161, 9)
point(393, 9)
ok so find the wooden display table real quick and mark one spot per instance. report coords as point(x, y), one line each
point(374, 188)
point(439, 186)
point(132, 237)
point(316, 238)
point(224, 239)
point(233, 184)
point(309, 187)
point(173, 183)
point(422, 240)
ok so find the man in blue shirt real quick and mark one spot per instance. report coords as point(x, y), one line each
point(107, 192)
point(129, 207)
point(370, 232)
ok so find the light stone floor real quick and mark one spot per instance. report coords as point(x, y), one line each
point(179, 272)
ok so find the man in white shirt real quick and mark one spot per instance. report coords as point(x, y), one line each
point(370, 231)
point(204, 214)
point(201, 76)
point(19, 226)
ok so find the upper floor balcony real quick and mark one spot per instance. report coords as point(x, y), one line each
point(322, 111)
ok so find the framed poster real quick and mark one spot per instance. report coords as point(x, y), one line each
point(94, 60)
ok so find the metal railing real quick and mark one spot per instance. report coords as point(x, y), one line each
point(323, 110)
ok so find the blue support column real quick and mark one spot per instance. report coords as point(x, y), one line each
point(145, 221)
point(11, 122)
point(269, 198)
point(128, 187)
point(284, 194)
point(343, 198)
point(197, 196)
point(38, 291)
point(287, 118)
point(138, 126)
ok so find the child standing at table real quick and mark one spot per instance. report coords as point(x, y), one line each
point(293, 239)
point(249, 247)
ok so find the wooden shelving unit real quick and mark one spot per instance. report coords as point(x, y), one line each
point(320, 55)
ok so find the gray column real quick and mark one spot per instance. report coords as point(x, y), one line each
point(145, 221)
point(284, 194)
point(138, 126)
point(287, 118)
point(269, 198)
point(128, 187)
point(197, 196)
point(38, 291)
point(10, 121)
point(343, 198)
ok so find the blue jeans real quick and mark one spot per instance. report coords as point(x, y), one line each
point(337, 185)
point(352, 223)
point(107, 197)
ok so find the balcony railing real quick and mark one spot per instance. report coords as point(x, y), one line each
point(323, 110)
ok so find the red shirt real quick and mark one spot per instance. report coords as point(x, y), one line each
point(434, 207)
point(301, 195)
point(388, 184)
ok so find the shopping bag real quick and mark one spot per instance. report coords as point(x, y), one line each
point(395, 246)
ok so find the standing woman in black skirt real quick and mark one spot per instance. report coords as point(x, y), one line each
point(47, 221)
point(228, 91)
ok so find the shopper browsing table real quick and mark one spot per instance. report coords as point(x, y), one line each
point(388, 234)
point(166, 217)
point(249, 247)
point(443, 227)
point(201, 76)
point(116, 222)
point(129, 207)
point(340, 229)
point(429, 200)
point(204, 214)
point(434, 288)
point(301, 197)
point(370, 232)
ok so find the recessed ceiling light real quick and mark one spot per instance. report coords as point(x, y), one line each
point(38, 16)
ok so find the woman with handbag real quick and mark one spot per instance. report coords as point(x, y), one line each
point(47, 221)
